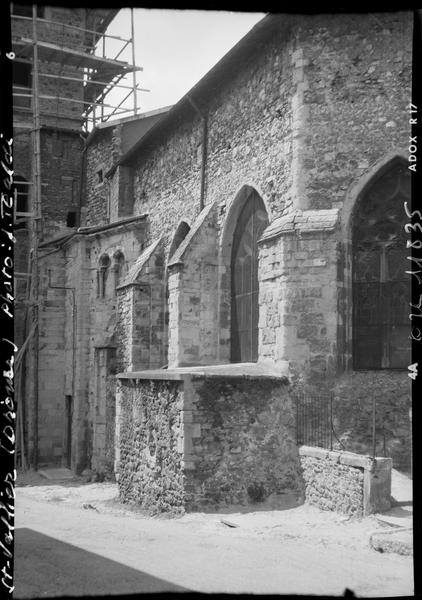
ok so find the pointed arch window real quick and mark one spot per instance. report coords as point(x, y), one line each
point(381, 289)
point(251, 223)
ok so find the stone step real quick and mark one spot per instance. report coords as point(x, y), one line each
point(56, 473)
point(399, 541)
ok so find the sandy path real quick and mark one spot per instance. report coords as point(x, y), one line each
point(114, 550)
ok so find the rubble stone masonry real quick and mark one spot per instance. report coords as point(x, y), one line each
point(196, 442)
point(344, 482)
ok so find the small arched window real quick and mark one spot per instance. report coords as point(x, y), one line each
point(381, 288)
point(180, 234)
point(118, 268)
point(102, 276)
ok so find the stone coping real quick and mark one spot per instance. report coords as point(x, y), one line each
point(139, 264)
point(303, 221)
point(345, 458)
point(244, 370)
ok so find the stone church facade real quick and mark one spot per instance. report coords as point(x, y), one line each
point(247, 247)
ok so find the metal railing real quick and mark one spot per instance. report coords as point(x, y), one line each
point(316, 425)
point(314, 419)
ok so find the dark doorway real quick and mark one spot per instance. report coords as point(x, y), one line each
point(244, 280)
point(68, 431)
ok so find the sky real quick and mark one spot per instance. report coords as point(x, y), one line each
point(176, 48)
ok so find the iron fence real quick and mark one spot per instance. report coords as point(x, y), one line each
point(315, 426)
point(314, 419)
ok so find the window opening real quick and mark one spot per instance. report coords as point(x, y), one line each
point(381, 289)
point(119, 268)
point(71, 219)
point(102, 276)
point(244, 280)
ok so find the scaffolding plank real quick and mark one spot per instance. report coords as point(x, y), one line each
point(22, 125)
point(86, 102)
point(52, 53)
point(87, 81)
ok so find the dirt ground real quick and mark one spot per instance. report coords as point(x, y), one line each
point(76, 538)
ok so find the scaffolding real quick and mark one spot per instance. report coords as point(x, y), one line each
point(97, 72)
point(80, 55)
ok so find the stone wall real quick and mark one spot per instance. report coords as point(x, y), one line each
point(78, 367)
point(121, 193)
point(99, 157)
point(61, 173)
point(197, 442)
point(54, 302)
point(242, 445)
point(95, 333)
point(248, 141)
point(357, 74)
point(150, 454)
point(104, 412)
point(298, 293)
point(344, 482)
point(141, 330)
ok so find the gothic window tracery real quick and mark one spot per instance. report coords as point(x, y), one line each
point(251, 223)
point(381, 289)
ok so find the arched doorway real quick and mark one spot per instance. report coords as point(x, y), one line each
point(252, 221)
point(381, 288)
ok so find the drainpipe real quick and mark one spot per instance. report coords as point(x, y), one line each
point(204, 151)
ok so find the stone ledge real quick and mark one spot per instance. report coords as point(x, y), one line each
point(243, 370)
point(313, 452)
point(307, 221)
point(346, 458)
point(136, 269)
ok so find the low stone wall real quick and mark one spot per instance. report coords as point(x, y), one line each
point(345, 482)
point(199, 441)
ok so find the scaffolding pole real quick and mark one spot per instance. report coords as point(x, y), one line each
point(132, 30)
point(36, 51)
point(36, 223)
